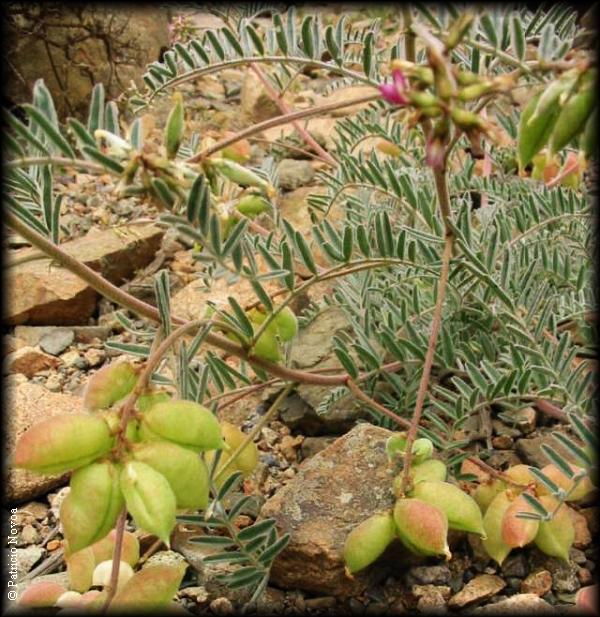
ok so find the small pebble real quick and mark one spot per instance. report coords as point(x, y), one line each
point(53, 545)
point(584, 576)
point(221, 606)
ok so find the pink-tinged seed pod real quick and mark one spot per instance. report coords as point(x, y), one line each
point(422, 527)
point(494, 545)
point(367, 542)
point(185, 423)
point(109, 385)
point(80, 567)
point(461, 510)
point(41, 594)
point(517, 532)
point(184, 470)
point(112, 417)
point(148, 399)
point(149, 589)
point(91, 509)
point(149, 499)
point(522, 475)
point(582, 489)
point(130, 548)
point(93, 600)
point(555, 537)
point(69, 599)
point(61, 443)
point(485, 493)
point(429, 470)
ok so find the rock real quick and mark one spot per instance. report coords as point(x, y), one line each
point(36, 510)
point(480, 588)
point(584, 576)
point(73, 359)
point(54, 296)
point(198, 594)
point(321, 129)
point(165, 558)
point(271, 601)
point(323, 503)
point(57, 340)
point(432, 604)
point(428, 575)
point(27, 404)
point(519, 604)
point(524, 419)
point(531, 453)
point(27, 558)
point(294, 174)
point(289, 446)
point(28, 361)
point(515, 565)
point(114, 44)
point(583, 537)
point(592, 519)
point(343, 94)
point(324, 602)
point(94, 357)
point(30, 535)
point(313, 445)
point(564, 574)
point(538, 583)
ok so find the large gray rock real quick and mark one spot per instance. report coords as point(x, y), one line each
point(332, 493)
point(519, 604)
point(41, 294)
point(27, 404)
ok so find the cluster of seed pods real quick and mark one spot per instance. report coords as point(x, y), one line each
point(502, 501)
point(159, 472)
point(421, 519)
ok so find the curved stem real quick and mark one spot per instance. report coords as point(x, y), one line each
point(55, 160)
point(278, 121)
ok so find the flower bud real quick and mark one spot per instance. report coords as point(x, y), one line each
point(240, 175)
point(555, 537)
point(466, 120)
point(91, 508)
point(184, 470)
point(460, 509)
point(517, 532)
point(185, 423)
point(474, 91)
point(115, 145)
point(109, 385)
point(149, 589)
point(467, 78)
point(493, 543)
point(103, 571)
point(423, 98)
point(252, 205)
point(395, 93)
point(80, 567)
point(422, 527)
point(174, 127)
point(149, 499)
point(105, 548)
point(458, 30)
point(61, 443)
point(388, 147)
point(367, 542)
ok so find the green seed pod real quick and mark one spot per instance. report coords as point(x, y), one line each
point(573, 117)
point(422, 527)
point(485, 492)
point(460, 509)
point(522, 475)
point(149, 589)
point(239, 174)
point(80, 569)
point(423, 99)
point(185, 423)
point(130, 548)
point(109, 385)
point(174, 127)
point(431, 112)
point(465, 119)
point(286, 323)
point(252, 205)
point(474, 91)
point(41, 594)
point(91, 509)
point(432, 469)
point(589, 137)
point(61, 443)
point(554, 94)
point(555, 537)
point(367, 542)
point(467, 78)
point(533, 136)
point(247, 460)
point(422, 449)
point(583, 488)
point(112, 417)
point(148, 399)
point(184, 470)
point(149, 499)
point(493, 543)
point(266, 346)
point(517, 532)
point(458, 30)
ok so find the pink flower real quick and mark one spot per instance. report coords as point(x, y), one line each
point(394, 92)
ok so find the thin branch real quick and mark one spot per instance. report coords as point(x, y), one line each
point(116, 560)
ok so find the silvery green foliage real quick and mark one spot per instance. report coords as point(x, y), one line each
point(520, 270)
